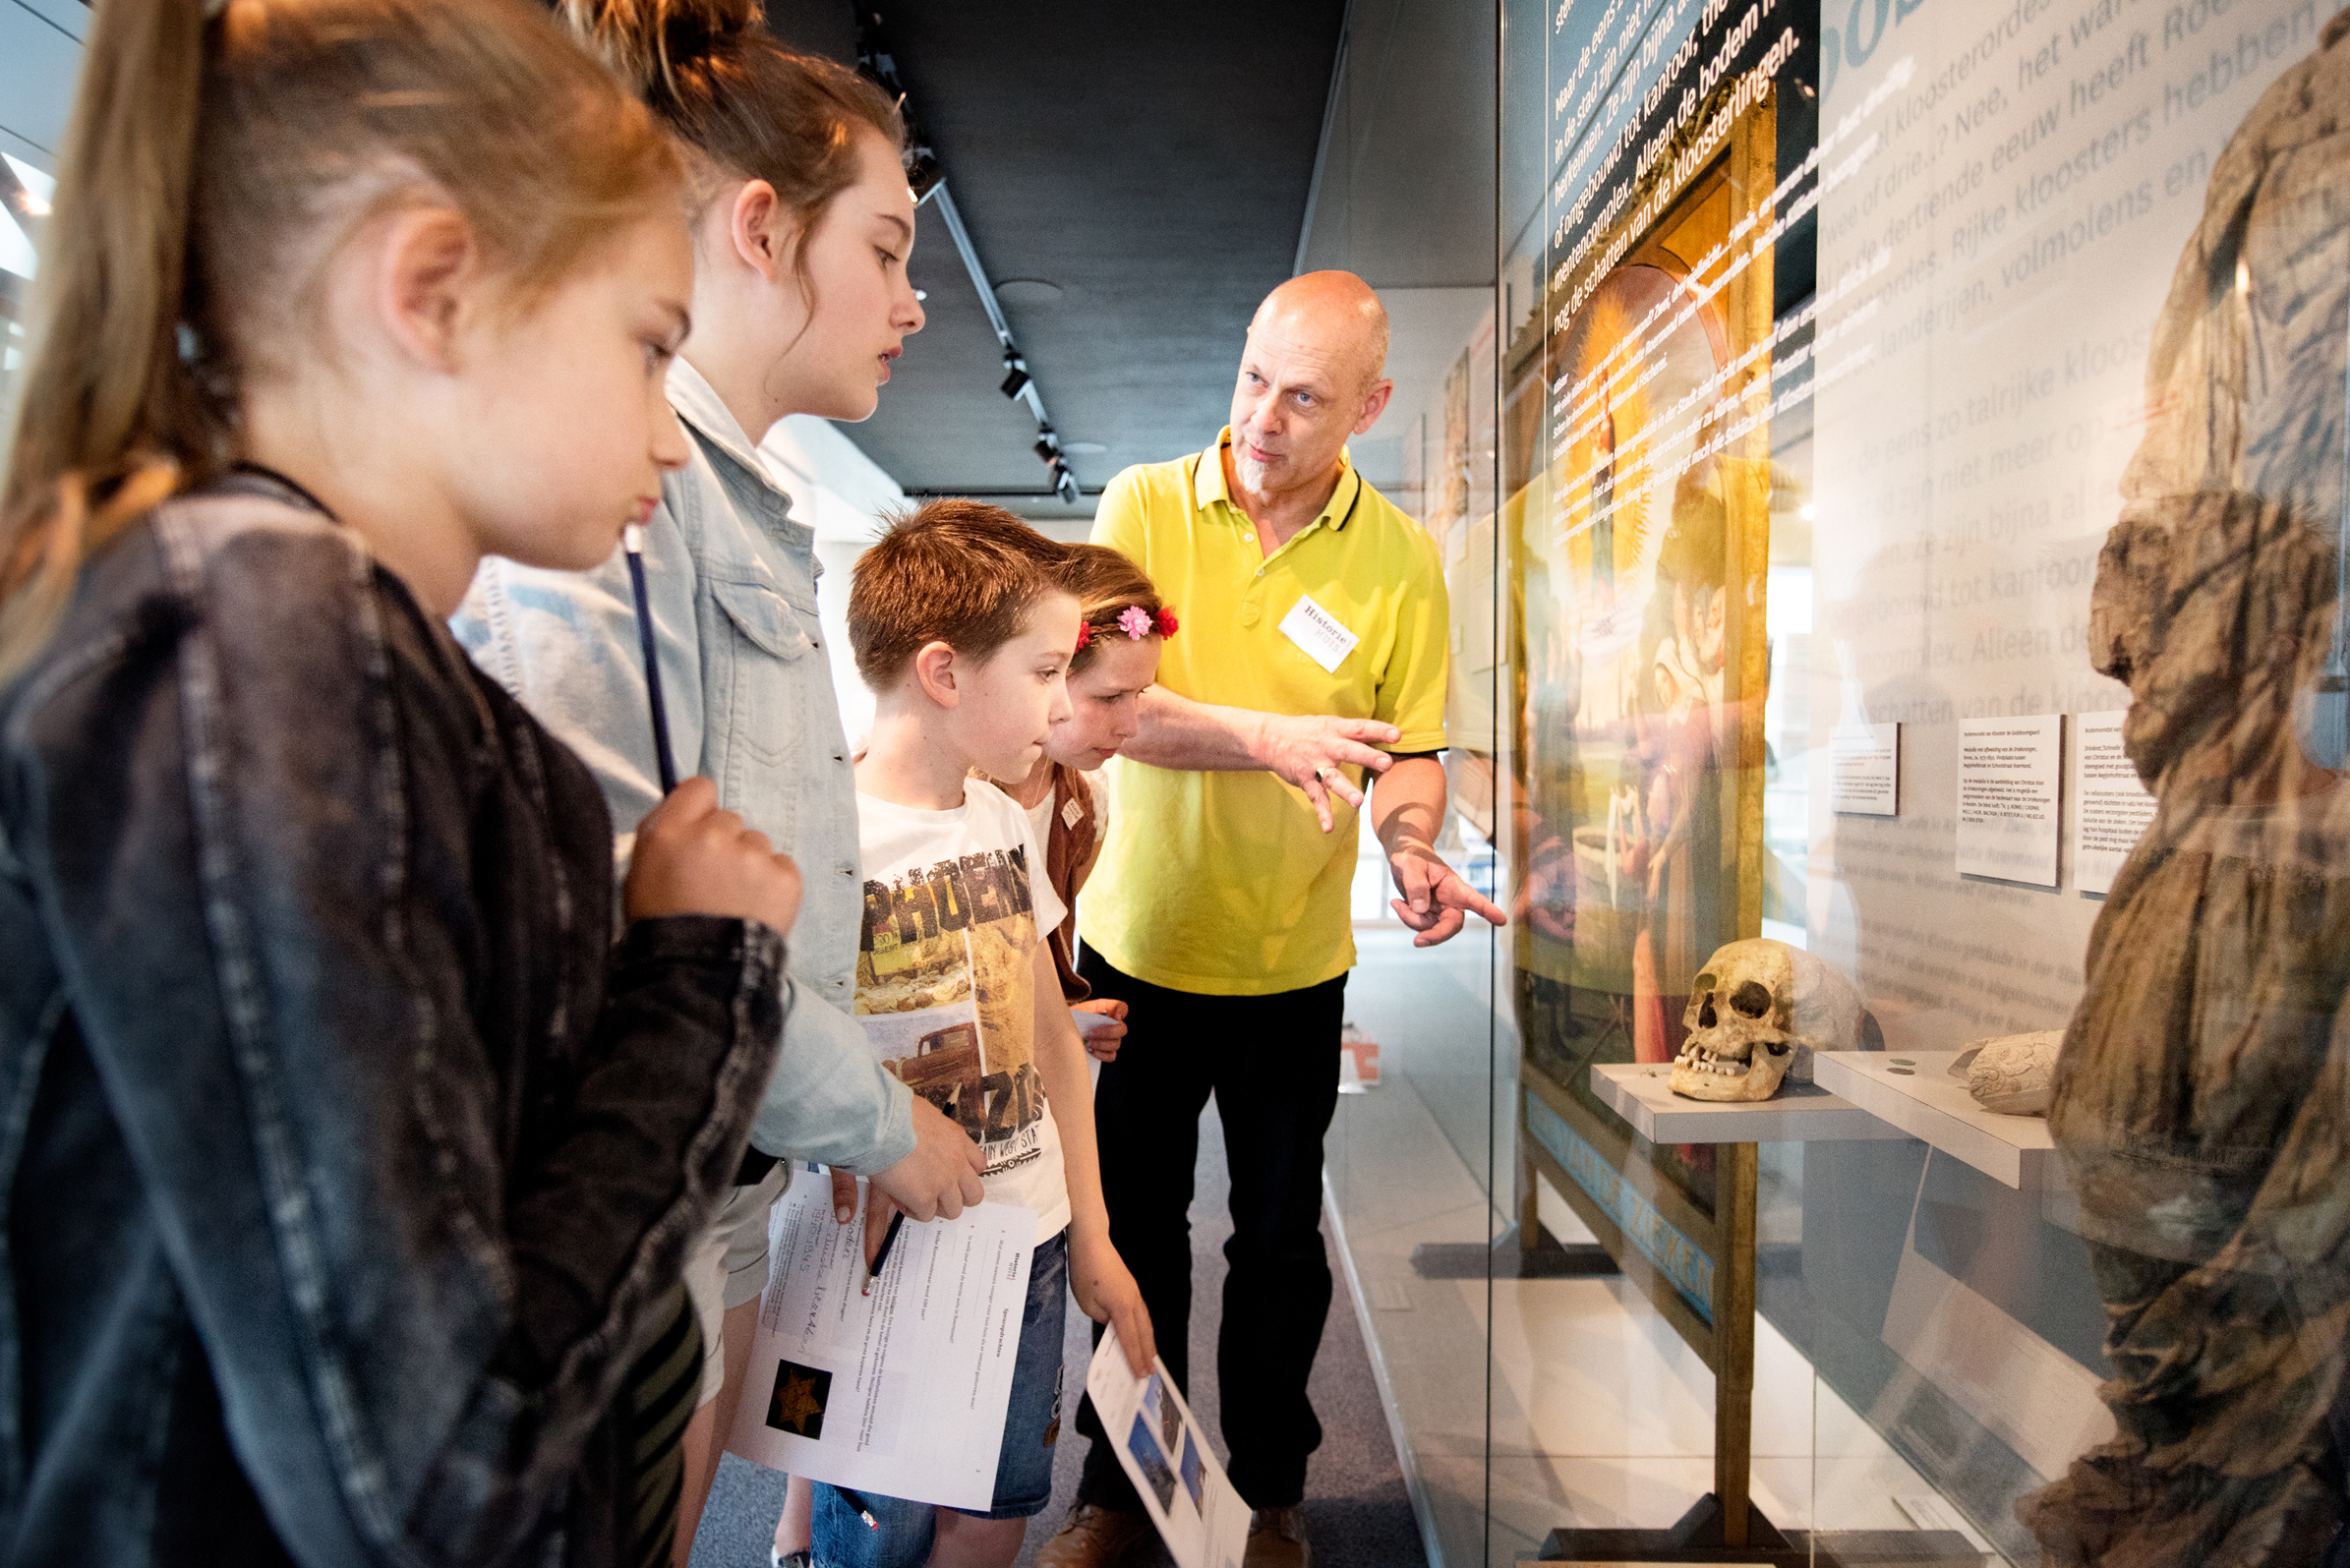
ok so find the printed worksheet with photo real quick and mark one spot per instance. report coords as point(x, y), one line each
point(1164, 1453)
point(902, 1392)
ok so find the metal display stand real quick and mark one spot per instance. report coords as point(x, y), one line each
point(1649, 1216)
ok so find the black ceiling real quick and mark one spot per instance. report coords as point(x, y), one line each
point(1151, 160)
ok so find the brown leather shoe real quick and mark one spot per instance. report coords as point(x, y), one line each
point(1094, 1537)
point(1278, 1540)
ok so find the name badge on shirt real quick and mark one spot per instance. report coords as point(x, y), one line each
point(1324, 638)
point(1071, 813)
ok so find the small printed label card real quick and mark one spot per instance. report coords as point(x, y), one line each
point(1867, 777)
point(2011, 776)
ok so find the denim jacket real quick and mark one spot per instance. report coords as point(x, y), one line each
point(732, 578)
point(346, 1158)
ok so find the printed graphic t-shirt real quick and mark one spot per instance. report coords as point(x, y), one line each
point(955, 902)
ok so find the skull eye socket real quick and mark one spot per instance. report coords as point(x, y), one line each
point(1751, 999)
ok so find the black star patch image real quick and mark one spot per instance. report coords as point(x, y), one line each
point(797, 1404)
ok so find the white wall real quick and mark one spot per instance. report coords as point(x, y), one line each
point(844, 493)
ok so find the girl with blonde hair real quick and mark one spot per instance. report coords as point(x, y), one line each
point(353, 1163)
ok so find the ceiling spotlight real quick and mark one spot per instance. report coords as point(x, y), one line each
point(1064, 482)
point(1016, 377)
point(1028, 291)
point(1049, 449)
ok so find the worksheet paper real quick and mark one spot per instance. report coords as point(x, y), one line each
point(901, 1393)
point(1184, 1489)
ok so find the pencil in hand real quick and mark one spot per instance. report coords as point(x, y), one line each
point(858, 1504)
point(632, 540)
point(882, 1255)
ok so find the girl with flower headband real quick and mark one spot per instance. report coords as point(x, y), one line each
point(1133, 621)
point(1118, 638)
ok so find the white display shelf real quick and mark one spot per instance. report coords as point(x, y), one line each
point(1799, 1113)
point(1927, 1103)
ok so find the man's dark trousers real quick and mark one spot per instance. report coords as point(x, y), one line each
point(1273, 1065)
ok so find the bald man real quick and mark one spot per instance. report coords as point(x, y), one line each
point(1311, 661)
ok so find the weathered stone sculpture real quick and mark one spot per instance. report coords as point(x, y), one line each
point(2202, 1096)
point(2015, 1074)
point(1756, 1012)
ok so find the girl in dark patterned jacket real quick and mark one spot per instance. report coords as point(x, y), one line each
point(349, 1160)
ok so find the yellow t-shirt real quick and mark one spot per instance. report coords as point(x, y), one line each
point(1223, 883)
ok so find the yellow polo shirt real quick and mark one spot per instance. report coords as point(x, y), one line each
point(1224, 882)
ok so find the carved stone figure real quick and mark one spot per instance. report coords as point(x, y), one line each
point(2013, 1075)
point(2202, 1094)
point(1756, 1012)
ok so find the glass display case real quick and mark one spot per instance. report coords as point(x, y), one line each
point(1895, 525)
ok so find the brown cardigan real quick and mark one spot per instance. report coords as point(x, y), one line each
point(1071, 848)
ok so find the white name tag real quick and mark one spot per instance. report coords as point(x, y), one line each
point(1071, 813)
point(1314, 629)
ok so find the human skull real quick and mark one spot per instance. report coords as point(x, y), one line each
point(2016, 1075)
point(1756, 1014)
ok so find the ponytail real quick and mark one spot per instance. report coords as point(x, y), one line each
point(210, 172)
point(107, 418)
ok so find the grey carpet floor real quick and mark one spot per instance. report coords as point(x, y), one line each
point(1357, 1512)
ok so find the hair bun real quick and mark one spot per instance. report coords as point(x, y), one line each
point(648, 42)
point(694, 28)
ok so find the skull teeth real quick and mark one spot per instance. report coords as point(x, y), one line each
point(1698, 1059)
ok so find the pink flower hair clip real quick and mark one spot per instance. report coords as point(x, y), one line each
point(1133, 621)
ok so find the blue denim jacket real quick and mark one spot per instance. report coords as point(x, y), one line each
point(346, 1162)
point(731, 577)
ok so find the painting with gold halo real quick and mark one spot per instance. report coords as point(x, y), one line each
point(1639, 561)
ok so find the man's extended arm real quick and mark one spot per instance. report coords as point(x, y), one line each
point(1204, 738)
point(1188, 737)
point(1407, 818)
